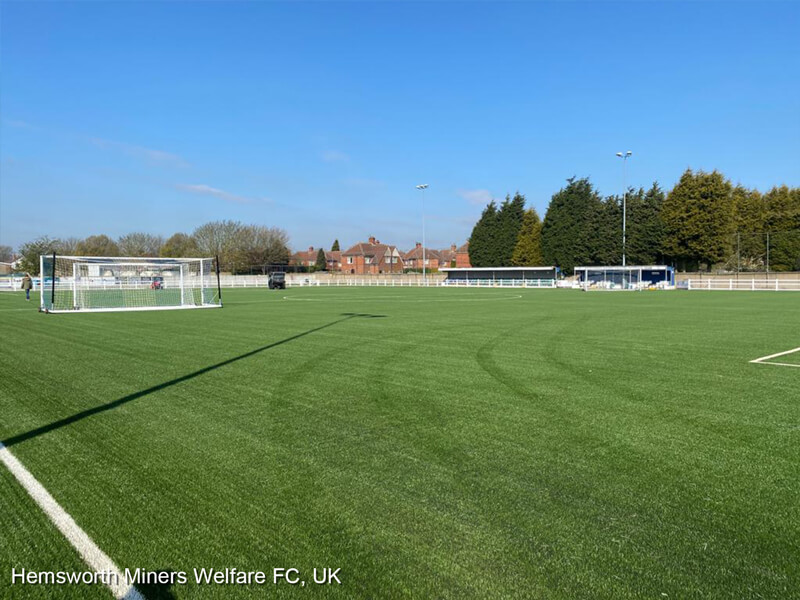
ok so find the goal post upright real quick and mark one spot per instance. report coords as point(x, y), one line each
point(53, 283)
point(183, 295)
point(219, 287)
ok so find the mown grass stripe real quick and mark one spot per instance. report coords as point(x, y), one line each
point(80, 540)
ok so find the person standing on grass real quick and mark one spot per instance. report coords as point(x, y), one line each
point(27, 285)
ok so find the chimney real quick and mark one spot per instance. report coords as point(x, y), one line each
point(310, 249)
point(372, 239)
point(419, 245)
point(452, 247)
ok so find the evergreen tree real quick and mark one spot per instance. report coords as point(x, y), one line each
point(481, 242)
point(335, 247)
point(783, 225)
point(605, 241)
point(749, 246)
point(509, 223)
point(569, 236)
point(528, 250)
point(645, 230)
point(321, 264)
point(699, 220)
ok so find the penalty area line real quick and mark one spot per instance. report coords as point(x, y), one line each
point(80, 540)
point(763, 359)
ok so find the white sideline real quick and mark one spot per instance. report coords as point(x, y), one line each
point(80, 540)
point(776, 355)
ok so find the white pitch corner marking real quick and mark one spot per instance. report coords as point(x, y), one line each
point(763, 359)
point(80, 540)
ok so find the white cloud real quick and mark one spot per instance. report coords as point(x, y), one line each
point(335, 156)
point(207, 190)
point(476, 197)
point(148, 154)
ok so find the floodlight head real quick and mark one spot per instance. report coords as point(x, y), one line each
point(619, 154)
point(628, 153)
point(422, 186)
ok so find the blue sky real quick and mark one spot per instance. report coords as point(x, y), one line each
point(321, 117)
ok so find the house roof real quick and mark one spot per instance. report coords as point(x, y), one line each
point(416, 254)
point(367, 249)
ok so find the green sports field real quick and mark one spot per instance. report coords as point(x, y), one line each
point(430, 443)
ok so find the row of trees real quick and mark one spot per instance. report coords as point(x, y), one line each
point(704, 222)
point(240, 246)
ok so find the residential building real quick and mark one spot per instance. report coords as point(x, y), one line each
point(308, 258)
point(413, 258)
point(447, 256)
point(372, 258)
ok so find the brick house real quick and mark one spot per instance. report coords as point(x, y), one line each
point(308, 258)
point(372, 258)
point(413, 258)
point(447, 256)
point(462, 257)
point(304, 258)
point(334, 260)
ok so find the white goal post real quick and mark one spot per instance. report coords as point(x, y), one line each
point(106, 284)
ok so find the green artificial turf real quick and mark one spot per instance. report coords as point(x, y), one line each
point(430, 443)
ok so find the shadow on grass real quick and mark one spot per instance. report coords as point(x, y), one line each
point(136, 395)
point(157, 591)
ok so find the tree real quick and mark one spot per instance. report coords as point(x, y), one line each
point(335, 247)
point(699, 220)
point(179, 245)
point(645, 229)
point(30, 252)
point(6, 254)
point(750, 248)
point(606, 236)
point(321, 264)
point(261, 246)
point(528, 250)
point(783, 225)
point(509, 223)
point(570, 226)
point(68, 246)
point(97, 245)
point(219, 239)
point(482, 238)
point(140, 244)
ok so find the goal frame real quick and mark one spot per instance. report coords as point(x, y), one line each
point(134, 261)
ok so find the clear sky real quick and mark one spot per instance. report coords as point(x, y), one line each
point(321, 117)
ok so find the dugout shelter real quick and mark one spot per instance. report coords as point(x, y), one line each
point(626, 278)
point(502, 276)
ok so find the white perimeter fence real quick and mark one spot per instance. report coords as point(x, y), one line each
point(716, 283)
point(261, 281)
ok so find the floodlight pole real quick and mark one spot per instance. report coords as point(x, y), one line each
point(423, 187)
point(624, 157)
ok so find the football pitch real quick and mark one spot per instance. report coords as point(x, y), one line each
point(428, 443)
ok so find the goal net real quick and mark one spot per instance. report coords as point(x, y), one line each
point(95, 283)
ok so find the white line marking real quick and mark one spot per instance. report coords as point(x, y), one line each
point(404, 300)
point(763, 358)
point(80, 540)
point(778, 364)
